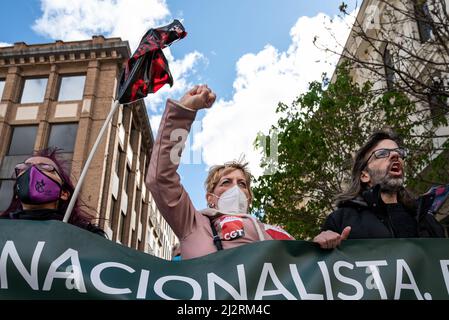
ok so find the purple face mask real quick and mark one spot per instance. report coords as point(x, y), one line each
point(34, 187)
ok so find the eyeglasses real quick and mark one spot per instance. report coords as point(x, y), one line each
point(21, 167)
point(385, 153)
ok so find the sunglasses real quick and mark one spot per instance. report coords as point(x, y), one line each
point(385, 153)
point(22, 167)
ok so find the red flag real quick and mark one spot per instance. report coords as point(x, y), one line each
point(147, 70)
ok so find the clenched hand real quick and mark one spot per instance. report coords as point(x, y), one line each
point(330, 239)
point(199, 97)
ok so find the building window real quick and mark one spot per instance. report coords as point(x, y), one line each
point(119, 161)
point(133, 234)
point(113, 211)
point(389, 69)
point(20, 148)
point(2, 86)
point(63, 136)
point(143, 160)
point(423, 20)
point(127, 173)
point(122, 230)
point(22, 140)
point(137, 202)
point(34, 90)
point(134, 136)
point(142, 211)
point(71, 88)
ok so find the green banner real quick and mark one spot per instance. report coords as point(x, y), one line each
point(53, 260)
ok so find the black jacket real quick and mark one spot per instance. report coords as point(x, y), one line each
point(50, 214)
point(368, 218)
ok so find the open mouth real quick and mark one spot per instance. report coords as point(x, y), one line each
point(396, 168)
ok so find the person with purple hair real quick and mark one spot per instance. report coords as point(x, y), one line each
point(43, 191)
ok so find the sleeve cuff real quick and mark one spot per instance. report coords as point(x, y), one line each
point(176, 103)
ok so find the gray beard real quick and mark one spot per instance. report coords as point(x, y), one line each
point(387, 184)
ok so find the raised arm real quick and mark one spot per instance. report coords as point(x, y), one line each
point(162, 179)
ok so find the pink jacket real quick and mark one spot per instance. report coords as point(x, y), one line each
point(191, 226)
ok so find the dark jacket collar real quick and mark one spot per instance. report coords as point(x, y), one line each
point(373, 199)
point(40, 214)
point(369, 199)
point(52, 214)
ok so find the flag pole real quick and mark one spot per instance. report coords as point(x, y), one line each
point(88, 161)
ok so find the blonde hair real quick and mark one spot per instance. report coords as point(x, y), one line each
point(218, 171)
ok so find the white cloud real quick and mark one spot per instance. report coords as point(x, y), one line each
point(263, 80)
point(76, 20)
point(5, 44)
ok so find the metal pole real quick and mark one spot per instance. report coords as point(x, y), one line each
point(88, 161)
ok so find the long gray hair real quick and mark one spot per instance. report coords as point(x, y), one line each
point(357, 187)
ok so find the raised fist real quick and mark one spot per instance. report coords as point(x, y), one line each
point(199, 97)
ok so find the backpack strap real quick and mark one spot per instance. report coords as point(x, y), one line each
point(217, 240)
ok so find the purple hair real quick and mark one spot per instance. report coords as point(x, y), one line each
point(78, 217)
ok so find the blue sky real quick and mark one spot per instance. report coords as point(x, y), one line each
point(226, 30)
point(252, 53)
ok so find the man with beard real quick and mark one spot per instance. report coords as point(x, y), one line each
point(376, 204)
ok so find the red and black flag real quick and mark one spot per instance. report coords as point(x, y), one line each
point(147, 70)
point(438, 195)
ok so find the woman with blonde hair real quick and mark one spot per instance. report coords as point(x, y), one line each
point(226, 223)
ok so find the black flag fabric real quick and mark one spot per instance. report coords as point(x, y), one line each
point(147, 70)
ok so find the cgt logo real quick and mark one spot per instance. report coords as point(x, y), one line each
point(234, 234)
point(231, 227)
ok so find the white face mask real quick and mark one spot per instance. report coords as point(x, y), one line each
point(232, 200)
